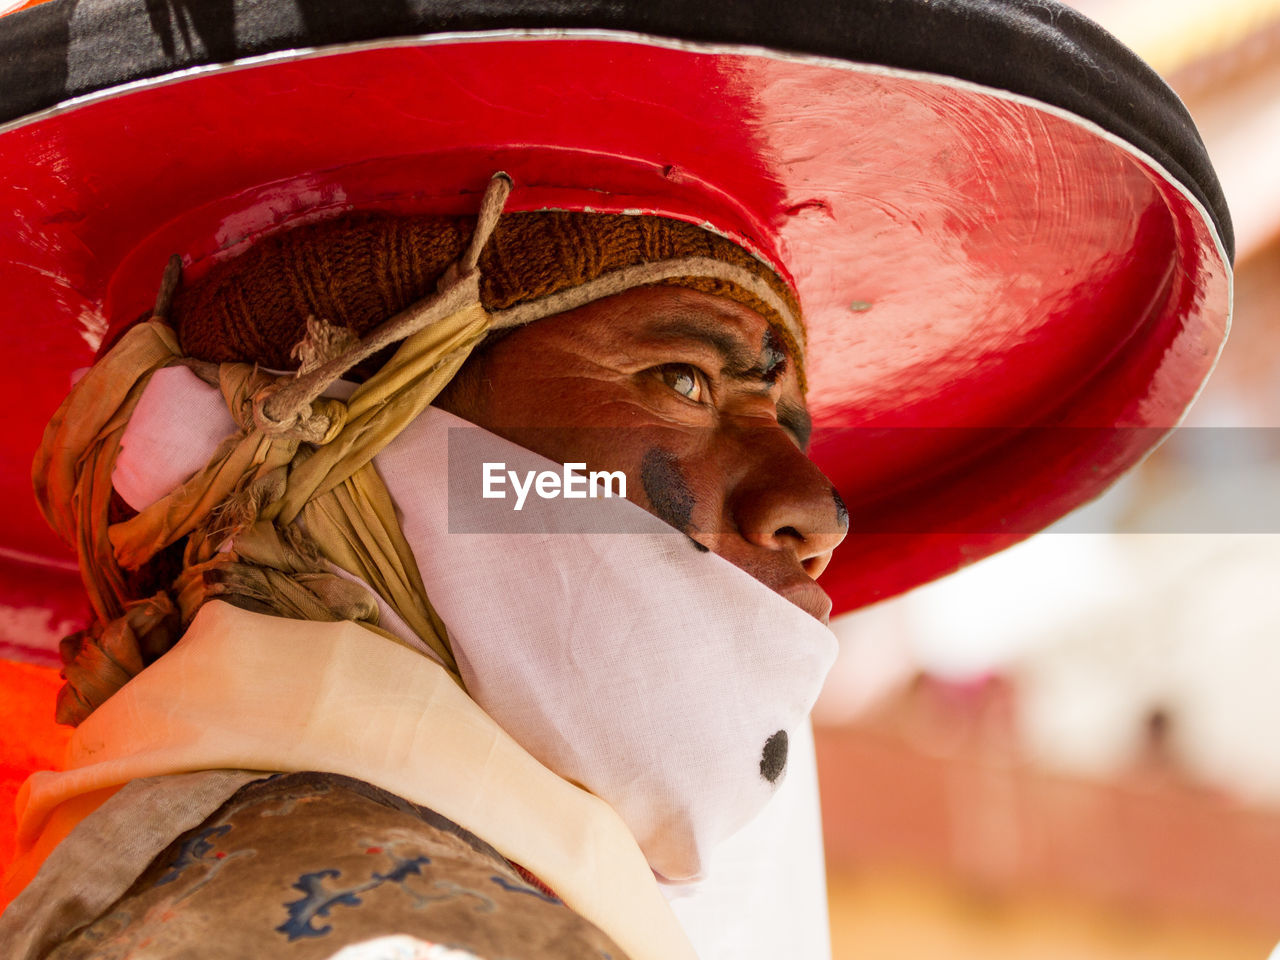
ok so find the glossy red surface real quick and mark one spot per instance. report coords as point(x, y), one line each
point(964, 261)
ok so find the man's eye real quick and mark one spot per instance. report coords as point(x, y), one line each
point(684, 380)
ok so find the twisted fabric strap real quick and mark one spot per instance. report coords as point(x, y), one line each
point(282, 407)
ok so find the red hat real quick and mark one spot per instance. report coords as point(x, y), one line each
point(1011, 252)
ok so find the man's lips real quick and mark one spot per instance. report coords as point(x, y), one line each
point(809, 597)
point(779, 570)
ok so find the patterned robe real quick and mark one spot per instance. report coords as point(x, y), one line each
point(312, 865)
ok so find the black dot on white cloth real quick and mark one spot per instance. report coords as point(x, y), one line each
point(773, 759)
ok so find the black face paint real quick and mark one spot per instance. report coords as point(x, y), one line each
point(842, 512)
point(773, 358)
point(666, 488)
point(773, 759)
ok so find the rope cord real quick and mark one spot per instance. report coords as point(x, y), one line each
point(283, 409)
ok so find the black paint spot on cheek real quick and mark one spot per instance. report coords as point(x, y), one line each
point(842, 512)
point(666, 488)
point(773, 760)
point(773, 357)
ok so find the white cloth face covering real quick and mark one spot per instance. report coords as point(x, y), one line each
point(659, 677)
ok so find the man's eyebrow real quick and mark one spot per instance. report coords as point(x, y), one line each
point(740, 362)
point(737, 356)
point(795, 418)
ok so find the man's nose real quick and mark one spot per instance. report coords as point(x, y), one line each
point(782, 501)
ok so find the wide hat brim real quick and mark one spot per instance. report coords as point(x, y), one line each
point(1010, 248)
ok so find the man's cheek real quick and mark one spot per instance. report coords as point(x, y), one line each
point(673, 498)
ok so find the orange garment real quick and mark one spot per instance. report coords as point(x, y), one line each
point(31, 741)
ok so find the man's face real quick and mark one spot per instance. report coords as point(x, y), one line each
point(696, 400)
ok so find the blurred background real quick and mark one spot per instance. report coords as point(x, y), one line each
point(1071, 751)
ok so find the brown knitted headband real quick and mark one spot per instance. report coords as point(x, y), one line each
point(358, 270)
